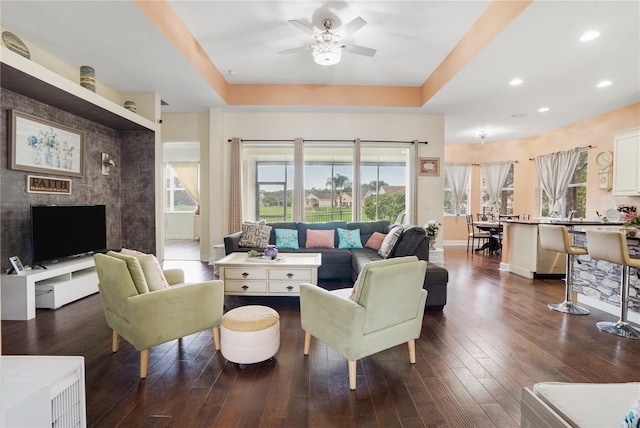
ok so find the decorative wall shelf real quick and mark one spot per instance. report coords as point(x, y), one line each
point(18, 74)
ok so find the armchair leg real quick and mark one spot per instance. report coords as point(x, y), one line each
point(412, 351)
point(307, 343)
point(144, 363)
point(352, 375)
point(115, 341)
point(216, 337)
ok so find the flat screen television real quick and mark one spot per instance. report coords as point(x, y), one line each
point(62, 231)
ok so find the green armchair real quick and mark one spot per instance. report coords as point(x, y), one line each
point(386, 310)
point(148, 318)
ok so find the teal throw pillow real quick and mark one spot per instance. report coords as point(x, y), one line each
point(287, 238)
point(349, 238)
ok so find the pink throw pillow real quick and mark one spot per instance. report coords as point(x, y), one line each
point(320, 238)
point(375, 241)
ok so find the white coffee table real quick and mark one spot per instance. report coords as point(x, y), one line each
point(244, 275)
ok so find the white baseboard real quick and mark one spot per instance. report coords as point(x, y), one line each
point(633, 317)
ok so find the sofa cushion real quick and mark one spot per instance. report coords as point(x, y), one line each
point(349, 238)
point(287, 238)
point(151, 268)
point(135, 270)
point(332, 225)
point(389, 242)
point(320, 239)
point(367, 228)
point(255, 235)
point(375, 241)
point(632, 418)
point(280, 225)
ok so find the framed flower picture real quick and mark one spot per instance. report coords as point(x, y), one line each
point(429, 167)
point(39, 145)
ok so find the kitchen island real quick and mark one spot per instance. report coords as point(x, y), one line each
point(523, 255)
point(596, 282)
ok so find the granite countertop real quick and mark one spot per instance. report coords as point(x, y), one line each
point(566, 222)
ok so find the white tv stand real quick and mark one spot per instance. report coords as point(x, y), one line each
point(60, 283)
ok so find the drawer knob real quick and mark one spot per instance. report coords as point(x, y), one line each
point(245, 274)
point(289, 275)
point(290, 287)
point(245, 287)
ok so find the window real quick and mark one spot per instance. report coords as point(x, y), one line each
point(177, 197)
point(274, 191)
point(328, 181)
point(576, 197)
point(383, 178)
point(268, 181)
point(384, 181)
point(505, 204)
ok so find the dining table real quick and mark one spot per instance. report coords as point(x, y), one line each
point(495, 230)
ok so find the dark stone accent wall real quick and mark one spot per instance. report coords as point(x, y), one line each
point(91, 188)
point(599, 279)
point(138, 191)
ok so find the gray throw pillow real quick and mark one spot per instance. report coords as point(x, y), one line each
point(390, 241)
point(255, 235)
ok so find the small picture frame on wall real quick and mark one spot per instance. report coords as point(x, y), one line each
point(429, 167)
point(39, 145)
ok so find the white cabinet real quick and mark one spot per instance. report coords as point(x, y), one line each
point(59, 284)
point(626, 162)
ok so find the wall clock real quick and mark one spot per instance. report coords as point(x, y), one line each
point(604, 160)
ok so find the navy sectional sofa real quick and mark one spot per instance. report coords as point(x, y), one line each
point(345, 264)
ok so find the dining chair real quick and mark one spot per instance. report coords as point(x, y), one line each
point(500, 230)
point(473, 234)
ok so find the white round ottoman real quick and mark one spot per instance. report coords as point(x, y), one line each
point(250, 334)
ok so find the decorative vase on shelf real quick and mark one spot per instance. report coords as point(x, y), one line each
point(88, 77)
point(271, 251)
point(432, 242)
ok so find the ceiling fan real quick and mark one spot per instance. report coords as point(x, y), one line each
point(327, 50)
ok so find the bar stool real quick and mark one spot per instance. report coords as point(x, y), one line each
point(612, 247)
point(556, 238)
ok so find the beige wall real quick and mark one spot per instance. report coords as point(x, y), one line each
point(596, 131)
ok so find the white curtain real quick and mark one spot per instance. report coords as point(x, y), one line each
point(298, 180)
point(187, 173)
point(495, 174)
point(458, 176)
point(555, 171)
point(235, 187)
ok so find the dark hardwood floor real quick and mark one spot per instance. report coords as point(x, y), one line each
point(494, 336)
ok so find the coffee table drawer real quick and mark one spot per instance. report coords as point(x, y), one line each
point(284, 287)
point(245, 286)
point(302, 275)
point(245, 273)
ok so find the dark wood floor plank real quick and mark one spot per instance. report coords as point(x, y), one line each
point(494, 336)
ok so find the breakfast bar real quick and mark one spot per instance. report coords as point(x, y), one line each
point(596, 282)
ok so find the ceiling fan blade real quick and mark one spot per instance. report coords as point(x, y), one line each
point(294, 50)
point(303, 26)
point(359, 50)
point(351, 27)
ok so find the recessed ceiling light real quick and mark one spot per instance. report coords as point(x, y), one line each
point(232, 72)
point(516, 82)
point(543, 109)
point(589, 35)
point(604, 84)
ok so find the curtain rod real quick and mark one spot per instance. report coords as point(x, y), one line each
point(330, 141)
point(583, 147)
point(478, 164)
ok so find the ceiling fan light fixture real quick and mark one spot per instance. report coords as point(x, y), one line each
point(327, 53)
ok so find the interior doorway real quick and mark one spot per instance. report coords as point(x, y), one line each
point(181, 200)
